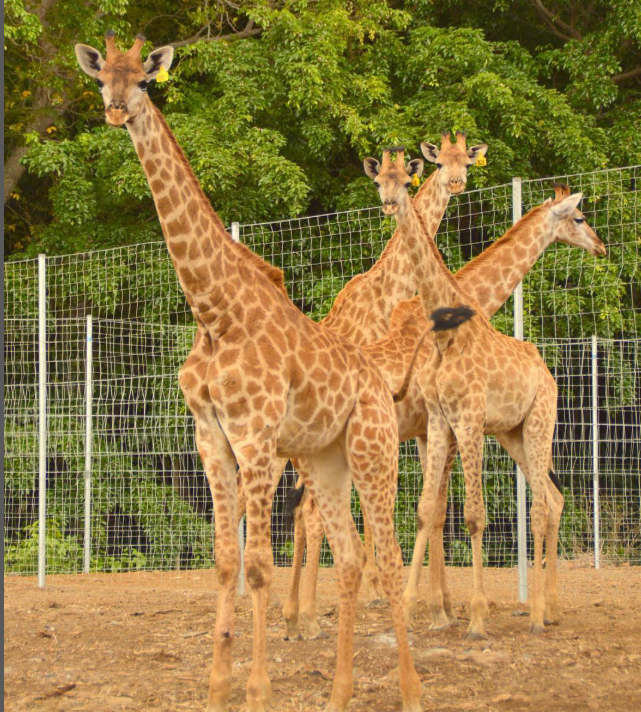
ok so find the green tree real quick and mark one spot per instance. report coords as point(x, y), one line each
point(276, 103)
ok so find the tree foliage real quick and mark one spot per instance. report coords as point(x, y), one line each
point(276, 102)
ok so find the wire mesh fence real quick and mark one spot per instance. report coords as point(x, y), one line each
point(149, 503)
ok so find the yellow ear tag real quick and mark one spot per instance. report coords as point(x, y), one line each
point(481, 160)
point(416, 181)
point(163, 74)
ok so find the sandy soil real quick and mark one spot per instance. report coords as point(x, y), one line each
point(143, 642)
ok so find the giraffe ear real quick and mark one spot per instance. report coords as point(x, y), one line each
point(430, 151)
point(415, 167)
point(89, 59)
point(372, 167)
point(568, 206)
point(475, 151)
point(161, 57)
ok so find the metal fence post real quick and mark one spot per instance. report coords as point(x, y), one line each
point(235, 236)
point(521, 491)
point(88, 440)
point(595, 452)
point(42, 418)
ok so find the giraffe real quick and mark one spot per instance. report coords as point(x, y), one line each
point(478, 381)
point(263, 382)
point(361, 313)
point(491, 277)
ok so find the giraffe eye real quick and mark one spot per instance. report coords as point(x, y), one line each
point(100, 83)
point(408, 184)
point(377, 184)
point(143, 85)
point(439, 165)
point(578, 221)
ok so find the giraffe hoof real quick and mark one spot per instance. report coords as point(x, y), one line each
point(321, 635)
point(473, 635)
point(443, 624)
point(376, 603)
point(537, 629)
point(293, 638)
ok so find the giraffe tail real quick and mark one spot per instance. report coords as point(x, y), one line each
point(556, 480)
point(444, 319)
point(448, 318)
point(292, 500)
point(402, 392)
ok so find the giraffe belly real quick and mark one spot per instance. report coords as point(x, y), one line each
point(508, 408)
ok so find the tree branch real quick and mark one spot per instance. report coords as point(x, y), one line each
point(569, 32)
point(617, 78)
point(248, 31)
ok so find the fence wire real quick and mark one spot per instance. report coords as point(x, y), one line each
point(150, 504)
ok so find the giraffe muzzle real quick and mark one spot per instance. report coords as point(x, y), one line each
point(456, 186)
point(390, 208)
point(116, 113)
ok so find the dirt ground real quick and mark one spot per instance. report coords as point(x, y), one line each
point(143, 642)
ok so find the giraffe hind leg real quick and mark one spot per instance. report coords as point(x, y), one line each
point(328, 479)
point(374, 468)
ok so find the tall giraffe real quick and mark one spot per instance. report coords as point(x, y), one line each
point(477, 381)
point(263, 382)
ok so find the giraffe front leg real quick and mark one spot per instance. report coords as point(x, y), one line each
point(259, 563)
point(538, 431)
point(220, 468)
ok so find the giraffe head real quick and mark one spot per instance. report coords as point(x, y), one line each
point(568, 222)
point(393, 178)
point(122, 77)
point(452, 160)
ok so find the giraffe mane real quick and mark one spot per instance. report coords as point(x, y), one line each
point(512, 234)
point(273, 274)
point(354, 282)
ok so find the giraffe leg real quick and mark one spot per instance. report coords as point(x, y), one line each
point(329, 482)
point(470, 441)
point(439, 437)
point(314, 533)
point(376, 483)
point(220, 467)
point(512, 441)
point(538, 431)
point(372, 581)
point(258, 481)
point(555, 502)
point(439, 599)
point(291, 607)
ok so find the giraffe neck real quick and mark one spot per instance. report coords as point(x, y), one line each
point(492, 276)
point(437, 286)
point(431, 201)
point(363, 308)
point(200, 248)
